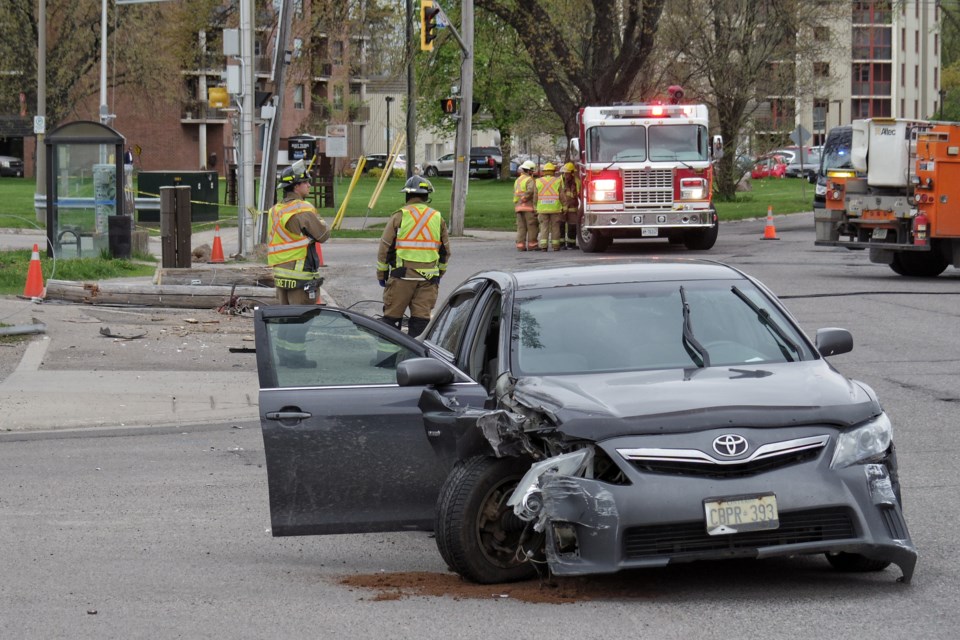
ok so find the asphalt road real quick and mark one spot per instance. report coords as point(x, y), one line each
point(147, 531)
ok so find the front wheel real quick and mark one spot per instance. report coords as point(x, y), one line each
point(701, 239)
point(477, 534)
point(431, 172)
point(855, 563)
point(592, 241)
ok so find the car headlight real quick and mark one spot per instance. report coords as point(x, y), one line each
point(5, 164)
point(863, 443)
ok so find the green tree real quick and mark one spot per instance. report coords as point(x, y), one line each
point(742, 55)
point(583, 51)
point(73, 53)
point(505, 85)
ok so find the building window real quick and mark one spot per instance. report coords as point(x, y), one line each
point(821, 69)
point(916, 75)
point(338, 97)
point(903, 74)
point(870, 79)
point(903, 108)
point(871, 43)
point(872, 12)
point(298, 97)
point(903, 38)
point(916, 42)
point(297, 47)
point(821, 33)
point(820, 106)
point(916, 108)
point(337, 52)
point(936, 84)
point(298, 8)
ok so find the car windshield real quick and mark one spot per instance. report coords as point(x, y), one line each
point(686, 142)
point(836, 152)
point(615, 144)
point(641, 326)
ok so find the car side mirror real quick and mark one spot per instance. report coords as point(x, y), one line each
point(832, 341)
point(417, 372)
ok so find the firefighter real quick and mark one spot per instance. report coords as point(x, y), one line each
point(524, 204)
point(295, 227)
point(413, 256)
point(549, 209)
point(570, 201)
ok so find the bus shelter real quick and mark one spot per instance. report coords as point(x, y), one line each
point(89, 192)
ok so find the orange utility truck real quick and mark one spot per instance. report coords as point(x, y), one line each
point(901, 200)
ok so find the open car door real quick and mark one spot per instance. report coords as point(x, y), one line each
point(346, 449)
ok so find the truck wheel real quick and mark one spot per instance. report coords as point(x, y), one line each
point(701, 239)
point(919, 265)
point(477, 534)
point(592, 241)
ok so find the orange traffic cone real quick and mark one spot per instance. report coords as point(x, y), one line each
point(319, 254)
point(216, 256)
point(34, 287)
point(770, 231)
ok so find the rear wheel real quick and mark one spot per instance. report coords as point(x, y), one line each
point(701, 239)
point(919, 265)
point(477, 534)
point(431, 172)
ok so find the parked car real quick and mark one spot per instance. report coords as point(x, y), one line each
point(804, 166)
point(769, 167)
point(483, 163)
point(379, 161)
point(586, 419)
point(11, 167)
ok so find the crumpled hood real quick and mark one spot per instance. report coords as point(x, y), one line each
point(601, 406)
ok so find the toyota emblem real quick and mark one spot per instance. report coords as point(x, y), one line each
point(730, 445)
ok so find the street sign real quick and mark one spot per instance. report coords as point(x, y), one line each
point(336, 141)
point(800, 136)
point(39, 125)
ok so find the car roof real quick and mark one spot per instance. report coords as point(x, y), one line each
point(615, 271)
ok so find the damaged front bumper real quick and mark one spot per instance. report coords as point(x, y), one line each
point(594, 527)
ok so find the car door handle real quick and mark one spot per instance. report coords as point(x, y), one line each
point(288, 415)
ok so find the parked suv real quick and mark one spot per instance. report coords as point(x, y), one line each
point(10, 166)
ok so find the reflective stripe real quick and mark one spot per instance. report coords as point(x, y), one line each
point(286, 246)
point(548, 197)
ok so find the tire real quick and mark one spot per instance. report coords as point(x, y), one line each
point(855, 563)
point(919, 265)
point(476, 533)
point(701, 239)
point(431, 172)
point(592, 241)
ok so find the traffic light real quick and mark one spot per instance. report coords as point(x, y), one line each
point(428, 24)
point(450, 106)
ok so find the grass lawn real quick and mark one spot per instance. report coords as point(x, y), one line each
point(489, 202)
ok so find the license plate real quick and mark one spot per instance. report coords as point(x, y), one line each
point(648, 231)
point(737, 515)
point(879, 234)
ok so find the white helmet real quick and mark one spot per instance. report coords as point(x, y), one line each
point(528, 165)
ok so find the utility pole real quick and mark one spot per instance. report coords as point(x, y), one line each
point(461, 165)
point(411, 97)
point(268, 171)
point(40, 170)
point(247, 150)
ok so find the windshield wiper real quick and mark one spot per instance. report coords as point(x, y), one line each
point(764, 316)
point(694, 349)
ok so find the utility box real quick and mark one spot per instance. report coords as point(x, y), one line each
point(204, 189)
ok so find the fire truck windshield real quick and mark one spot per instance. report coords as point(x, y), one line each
point(667, 143)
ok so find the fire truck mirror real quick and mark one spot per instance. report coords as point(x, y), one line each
point(717, 147)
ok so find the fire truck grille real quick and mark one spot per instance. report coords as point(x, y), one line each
point(648, 189)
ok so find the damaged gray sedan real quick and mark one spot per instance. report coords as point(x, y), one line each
point(582, 420)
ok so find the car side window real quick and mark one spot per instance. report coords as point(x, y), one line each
point(331, 349)
point(451, 323)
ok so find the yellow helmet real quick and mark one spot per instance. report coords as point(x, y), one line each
point(549, 167)
point(568, 168)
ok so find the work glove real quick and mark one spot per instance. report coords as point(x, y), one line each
point(383, 283)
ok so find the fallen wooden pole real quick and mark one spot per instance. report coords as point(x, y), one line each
point(150, 295)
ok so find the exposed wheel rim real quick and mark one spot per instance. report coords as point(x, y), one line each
point(498, 533)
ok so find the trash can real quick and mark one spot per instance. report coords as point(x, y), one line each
point(120, 230)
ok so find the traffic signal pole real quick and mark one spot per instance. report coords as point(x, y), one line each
point(429, 11)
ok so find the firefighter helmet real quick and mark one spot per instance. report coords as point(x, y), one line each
point(528, 165)
point(293, 175)
point(568, 168)
point(417, 186)
point(549, 167)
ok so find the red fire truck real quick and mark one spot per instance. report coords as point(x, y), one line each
point(646, 173)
